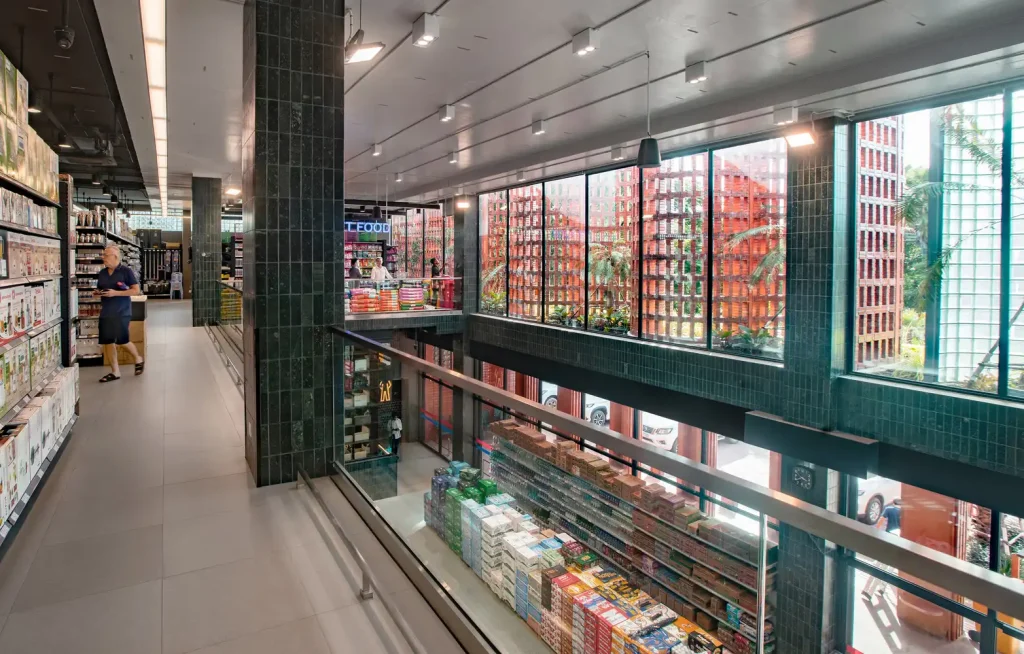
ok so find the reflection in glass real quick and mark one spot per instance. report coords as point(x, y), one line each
point(399, 240)
point(749, 293)
point(414, 234)
point(564, 231)
point(1016, 380)
point(674, 236)
point(525, 241)
point(613, 207)
point(493, 252)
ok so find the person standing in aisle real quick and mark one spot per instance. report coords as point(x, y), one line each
point(379, 272)
point(435, 268)
point(354, 272)
point(395, 425)
point(116, 284)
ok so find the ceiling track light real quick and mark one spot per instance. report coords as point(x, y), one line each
point(378, 149)
point(649, 155)
point(63, 142)
point(521, 176)
point(97, 180)
point(785, 115)
point(355, 50)
point(453, 157)
point(584, 42)
point(696, 73)
point(398, 178)
point(446, 113)
point(617, 154)
point(539, 127)
point(425, 30)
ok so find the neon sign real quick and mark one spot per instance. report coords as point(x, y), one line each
point(375, 228)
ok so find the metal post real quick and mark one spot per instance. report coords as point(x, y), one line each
point(1006, 231)
point(366, 592)
point(762, 574)
point(709, 250)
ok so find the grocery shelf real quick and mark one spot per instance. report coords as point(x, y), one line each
point(24, 281)
point(32, 194)
point(109, 235)
point(15, 519)
point(46, 326)
point(11, 413)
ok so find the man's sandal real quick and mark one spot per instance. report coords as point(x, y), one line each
point(139, 367)
point(109, 377)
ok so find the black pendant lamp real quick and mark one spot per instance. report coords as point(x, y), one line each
point(649, 155)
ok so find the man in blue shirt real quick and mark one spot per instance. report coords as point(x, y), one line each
point(116, 284)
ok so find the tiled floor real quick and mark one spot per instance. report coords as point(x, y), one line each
point(149, 536)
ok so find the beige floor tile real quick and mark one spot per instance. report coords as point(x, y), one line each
point(93, 565)
point(216, 604)
point(201, 440)
point(126, 620)
point(216, 538)
point(84, 517)
point(205, 496)
point(300, 637)
point(362, 629)
point(190, 466)
point(329, 585)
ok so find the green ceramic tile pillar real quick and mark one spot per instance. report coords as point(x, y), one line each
point(206, 251)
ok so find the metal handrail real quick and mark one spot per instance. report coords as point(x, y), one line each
point(369, 581)
point(978, 584)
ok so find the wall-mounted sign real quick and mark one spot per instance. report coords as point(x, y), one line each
point(374, 228)
point(385, 391)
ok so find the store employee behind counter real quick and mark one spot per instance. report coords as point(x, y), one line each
point(115, 285)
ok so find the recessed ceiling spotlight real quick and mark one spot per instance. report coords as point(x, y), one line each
point(398, 178)
point(617, 154)
point(696, 73)
point(539, 127)
point(377, 149)
point(585, 42)
point(233, 192)
point(446, 113)
point(785, 115)
point(521, 176)
point(453, 157)
point(425, 30)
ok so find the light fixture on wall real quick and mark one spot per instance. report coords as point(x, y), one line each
point(649, 155)
point(584, 42)
point(453, 157)
point(446, 113)
point(521, 176)
point(617, 154)
point(462, 203)
point(800, 138)
point(539, 127)
point(378, 149)
point(785, 115)
point(355, 50)
point(696, 73)
point(425, 30)
point(233, 192)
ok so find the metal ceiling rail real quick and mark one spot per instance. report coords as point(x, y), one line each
point(962, 578)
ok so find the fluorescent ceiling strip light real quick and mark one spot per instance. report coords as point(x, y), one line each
point(154, 35)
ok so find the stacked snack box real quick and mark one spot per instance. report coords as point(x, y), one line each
point(24, 156)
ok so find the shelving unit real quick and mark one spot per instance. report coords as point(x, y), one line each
point(638, 541)
point(365, 252)
point(526, 240)
point(368, 375)
point(158, 264)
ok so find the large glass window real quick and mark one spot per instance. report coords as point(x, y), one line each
point(564, 232)
point(613, 206)
point(675, 258)
point(414, 234)
point(929, 187)
point(493, 252)
point(400, 241)
point(525, 242)
point(1016, 304)
point(434, 241)
point(749, 294)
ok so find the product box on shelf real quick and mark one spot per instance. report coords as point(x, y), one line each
point(9, 470)
point(19, 311)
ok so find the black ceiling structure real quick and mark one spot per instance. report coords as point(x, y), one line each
point(77, 94)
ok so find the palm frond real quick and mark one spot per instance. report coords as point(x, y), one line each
point(964, 132)
point(777, 230)
point(770, 267)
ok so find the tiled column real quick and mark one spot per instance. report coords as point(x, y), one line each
point(293, 198)
point(206, 251)
point(816, 276)
point(806, 571)
point(467, 253)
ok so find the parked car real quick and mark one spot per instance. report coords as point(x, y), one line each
point(660, 432)
point(873, 495)
point(596, 411)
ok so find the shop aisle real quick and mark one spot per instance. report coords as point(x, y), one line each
point(149, 536)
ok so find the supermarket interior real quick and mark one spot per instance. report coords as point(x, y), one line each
point(615, 327)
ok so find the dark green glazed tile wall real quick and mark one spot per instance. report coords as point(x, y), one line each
point(206, 250)
point(293, 191)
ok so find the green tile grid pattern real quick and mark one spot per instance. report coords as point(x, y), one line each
point(206, 250)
